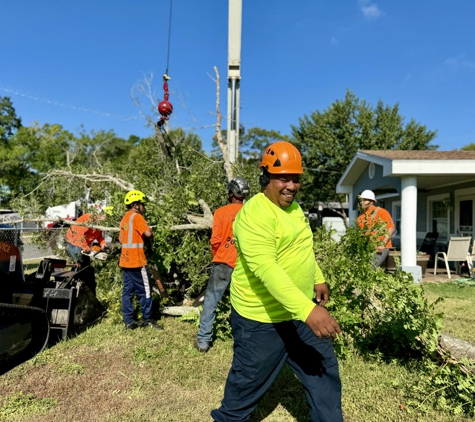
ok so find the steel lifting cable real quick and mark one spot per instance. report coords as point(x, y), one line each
point(165, 108)
point(169, 36)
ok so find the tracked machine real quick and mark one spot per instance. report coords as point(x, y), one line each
point(51, 304)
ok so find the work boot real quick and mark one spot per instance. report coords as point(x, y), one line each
point(199, 348)
point(132, 326)
point(151, 324)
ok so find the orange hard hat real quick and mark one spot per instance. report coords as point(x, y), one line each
point(282, 157)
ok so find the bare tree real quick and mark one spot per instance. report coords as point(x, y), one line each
point(204, 221)
point(145, 88)
point(219, 136)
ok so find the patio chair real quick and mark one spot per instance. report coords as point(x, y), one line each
point(428, 244)
point(471, 261)
point(457, 252)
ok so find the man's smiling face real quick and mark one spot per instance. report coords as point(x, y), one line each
point(282, 189)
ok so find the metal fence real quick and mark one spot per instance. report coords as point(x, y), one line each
point(34, 242)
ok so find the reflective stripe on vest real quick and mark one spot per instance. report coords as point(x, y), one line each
point(129, 243)
point(373, 214)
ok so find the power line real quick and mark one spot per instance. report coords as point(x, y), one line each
point(70, 106)
point(323, 171)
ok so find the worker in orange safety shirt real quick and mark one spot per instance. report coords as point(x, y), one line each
point(81, 238)
point(136, 277)
point(370, 215)
point(224, 259)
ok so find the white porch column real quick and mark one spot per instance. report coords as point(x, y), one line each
point(352, 214)
point(408, 227)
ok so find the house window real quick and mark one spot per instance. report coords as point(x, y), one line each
point(440, 218)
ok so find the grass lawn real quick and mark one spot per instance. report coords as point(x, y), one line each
point(458, 307)
point(109, 374)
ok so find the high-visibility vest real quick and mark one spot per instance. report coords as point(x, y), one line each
point(82, 236)
point(132, 228)
point(370, 218)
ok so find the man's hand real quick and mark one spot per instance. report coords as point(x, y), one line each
point(321, 293)
point(322, 323)
point(149, 234)
point(380, 249)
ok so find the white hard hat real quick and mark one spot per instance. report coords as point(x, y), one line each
point(368, 194)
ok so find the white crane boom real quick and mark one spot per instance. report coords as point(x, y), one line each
point(234, 77)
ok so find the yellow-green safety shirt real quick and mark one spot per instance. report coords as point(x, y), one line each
point(276, 269)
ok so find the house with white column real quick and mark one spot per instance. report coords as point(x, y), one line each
point(425, 192)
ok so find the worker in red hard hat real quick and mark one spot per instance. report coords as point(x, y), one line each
point(370, 215)
point(278, 297)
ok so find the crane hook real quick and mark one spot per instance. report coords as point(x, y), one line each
point(165, 107)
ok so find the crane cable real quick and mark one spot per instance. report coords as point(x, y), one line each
point(165, 108)
point(169, 36)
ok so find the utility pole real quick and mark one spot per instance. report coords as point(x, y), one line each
point(234, 77)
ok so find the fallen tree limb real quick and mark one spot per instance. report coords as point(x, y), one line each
point(197, 222)
point(458, 348)
point(452, 349)
point(61, 221)
point(94, 177)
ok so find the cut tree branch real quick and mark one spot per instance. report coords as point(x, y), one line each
point(94, 177)
point(60, 220)
point(198, 223)
point(206, 221)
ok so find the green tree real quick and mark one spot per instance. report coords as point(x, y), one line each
point(175, 185)
point(253, 142)
point(9, 124)
point(31, 152)
point(328, 141)
point(95, 149)
point(9, 121)
point(469, 147)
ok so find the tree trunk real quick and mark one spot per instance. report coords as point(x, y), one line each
point(458, 348)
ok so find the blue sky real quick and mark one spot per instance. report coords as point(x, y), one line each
point(75, 63)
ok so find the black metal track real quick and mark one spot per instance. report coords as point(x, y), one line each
point(24, 332)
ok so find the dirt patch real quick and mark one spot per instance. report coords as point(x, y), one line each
point(98, 389)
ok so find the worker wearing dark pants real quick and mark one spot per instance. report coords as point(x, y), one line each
point(134, 230)
point(136, 280)
point(278, 297)
point(260, 351)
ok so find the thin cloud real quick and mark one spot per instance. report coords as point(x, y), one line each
point(370, 10)
point(459, 62)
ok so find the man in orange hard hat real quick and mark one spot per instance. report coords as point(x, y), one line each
point(278, 297)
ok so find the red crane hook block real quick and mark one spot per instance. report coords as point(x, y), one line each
point(165, 107)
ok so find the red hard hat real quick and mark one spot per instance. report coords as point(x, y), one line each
point(165, 108)
point(282, 157)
